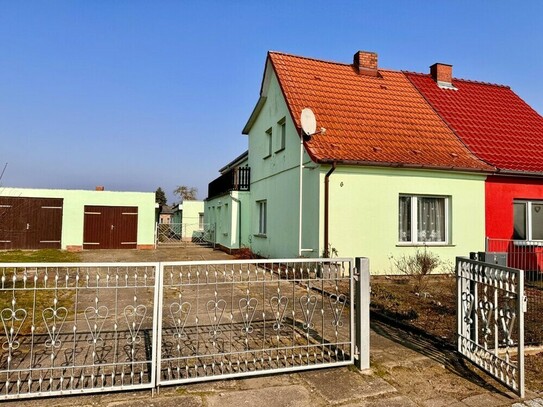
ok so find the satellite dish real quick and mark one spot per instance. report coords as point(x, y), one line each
point(309, 123)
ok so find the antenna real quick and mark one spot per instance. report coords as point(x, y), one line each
point(308, 121)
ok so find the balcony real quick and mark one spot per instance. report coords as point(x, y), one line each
point(237, 179)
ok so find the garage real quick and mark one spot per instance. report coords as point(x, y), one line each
point(110, 227)
point(30, 223)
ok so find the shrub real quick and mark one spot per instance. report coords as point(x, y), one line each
point(418, 266)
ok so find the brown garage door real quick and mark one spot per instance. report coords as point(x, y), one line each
point(110, 227)
point(30, 223)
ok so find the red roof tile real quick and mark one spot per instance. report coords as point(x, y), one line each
point(495, 124)
point(373, 120)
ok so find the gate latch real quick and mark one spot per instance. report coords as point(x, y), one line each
point(524, 303)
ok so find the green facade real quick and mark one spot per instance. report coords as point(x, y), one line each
point(363, 201)
point(364, 208)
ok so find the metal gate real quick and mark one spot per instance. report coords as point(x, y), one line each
point(184, 234)
point(80, 328)
point(490, 309)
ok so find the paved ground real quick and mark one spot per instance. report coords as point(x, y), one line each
point(192, 252)
point(406, 370)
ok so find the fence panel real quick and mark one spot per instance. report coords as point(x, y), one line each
point(244, 318)
point(185, 234)
point(76, 328)
point(528, 256)
point(490, 309)
point(81, 328)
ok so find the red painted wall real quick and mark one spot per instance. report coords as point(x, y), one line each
point(499, 194)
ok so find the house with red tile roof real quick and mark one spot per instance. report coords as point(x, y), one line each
point(506, 133)
point(388, 176)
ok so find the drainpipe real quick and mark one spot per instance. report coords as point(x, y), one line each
point(326, 208)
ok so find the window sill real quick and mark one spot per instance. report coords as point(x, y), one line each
point(281, 149)
point(426, 244)
point(260, 235)
point(266, 156)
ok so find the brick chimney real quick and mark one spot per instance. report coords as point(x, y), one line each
point(100, 188)
point(365, 63)
point(442, 75)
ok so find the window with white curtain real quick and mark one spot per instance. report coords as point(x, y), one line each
point(423, 219)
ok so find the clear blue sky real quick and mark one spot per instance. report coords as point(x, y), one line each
point(134, 95)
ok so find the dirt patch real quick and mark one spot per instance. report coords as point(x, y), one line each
point(434, 312)
point(534, 371)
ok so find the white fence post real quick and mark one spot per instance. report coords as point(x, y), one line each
point(362, 308)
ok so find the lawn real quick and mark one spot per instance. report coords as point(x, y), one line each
point(36, 256)
point(29, 299)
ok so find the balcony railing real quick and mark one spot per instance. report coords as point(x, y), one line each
point(237, 179)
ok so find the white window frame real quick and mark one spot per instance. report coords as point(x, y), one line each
point(528, 217)
point(262, 217)
point(269, 140)
point(281, 134)
point(414, 221)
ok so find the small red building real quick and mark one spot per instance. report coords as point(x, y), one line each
point(505, 132)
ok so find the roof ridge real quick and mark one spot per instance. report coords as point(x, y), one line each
point(309, 58)
point(499, 85)
point(327, 61)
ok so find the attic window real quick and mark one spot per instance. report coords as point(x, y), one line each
point(269, 141)
point(281, 135)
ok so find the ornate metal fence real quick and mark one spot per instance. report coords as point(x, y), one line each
point(242, 318)
point(73, 328)
point(77, 328)
point(528, 256)
point(185, 234)
point(490, 313)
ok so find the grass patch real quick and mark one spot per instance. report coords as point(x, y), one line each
point(33, 301)
point(37, 256)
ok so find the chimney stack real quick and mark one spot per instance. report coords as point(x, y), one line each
point(365, 63)
point(100, 188)
point(442, 75)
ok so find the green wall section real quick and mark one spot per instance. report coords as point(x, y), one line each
point(276, 180)
point(364, 212)
point(229, 215)
point(74, 204)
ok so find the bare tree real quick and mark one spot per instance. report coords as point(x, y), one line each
point(186, 193)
